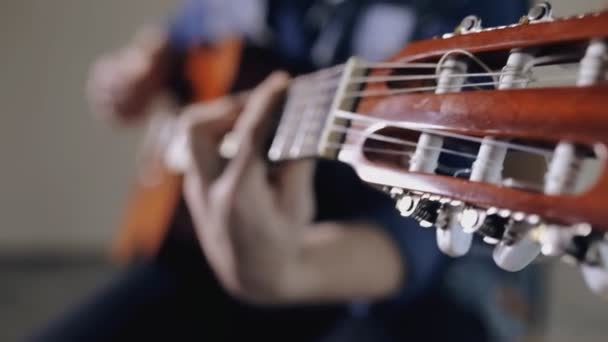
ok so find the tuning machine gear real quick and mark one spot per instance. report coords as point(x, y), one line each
point(589, 250)
point(490, 223)
point(427, 210)
point(423, 208)
point(595, 269)
point(577, 248)
point(559, 240)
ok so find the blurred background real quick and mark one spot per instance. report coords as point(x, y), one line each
point(64, 176)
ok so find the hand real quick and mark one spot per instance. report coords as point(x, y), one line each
point(255, 224)
point(122, 84)
point(248, 223)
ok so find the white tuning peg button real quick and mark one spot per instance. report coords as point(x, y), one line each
point(596, 279)
point(453, 240)
point(518, 248)
point(451, 237)
point(596, 276)
point(516, 256)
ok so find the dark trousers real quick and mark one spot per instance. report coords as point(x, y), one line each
point(176, 297)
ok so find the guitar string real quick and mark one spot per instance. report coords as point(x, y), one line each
point(397, 141)
point(393, 78)
point(320, 94)
point(394, 65)
point(441, 167)
point(327, 89)
point(520, 147)
point(335, 74)
point(488, 71)
point(446, 169)
point(336, 71)
point(369, 65)
point(416, 127)
point(390, 92)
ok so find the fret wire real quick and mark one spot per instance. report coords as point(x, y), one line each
point(310, 131)
point(302, 128)
point(283, 128)
point(327, 72)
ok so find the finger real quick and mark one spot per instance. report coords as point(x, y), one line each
point(261, 104)
point(253, 189)
point(295, 187)
point(196, 197)
point(204, 125)
point(252, 126)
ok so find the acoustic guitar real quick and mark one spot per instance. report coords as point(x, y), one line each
point(499, 132)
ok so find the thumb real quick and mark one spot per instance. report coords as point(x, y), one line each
point(295, 187)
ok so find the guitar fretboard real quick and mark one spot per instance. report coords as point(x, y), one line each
point(302, 125)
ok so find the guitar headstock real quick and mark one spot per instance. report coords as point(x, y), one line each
point(501, 131)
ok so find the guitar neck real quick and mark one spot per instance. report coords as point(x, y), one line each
point(308, 126)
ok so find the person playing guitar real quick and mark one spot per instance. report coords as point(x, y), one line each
point(275, 252)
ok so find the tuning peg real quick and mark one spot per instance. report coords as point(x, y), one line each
point(559, 240)
point(451, 237)
point(580, 247)
point(591, 253)
point(518, 247)
point(595, 274)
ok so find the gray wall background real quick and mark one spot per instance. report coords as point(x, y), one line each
point(64, 176)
